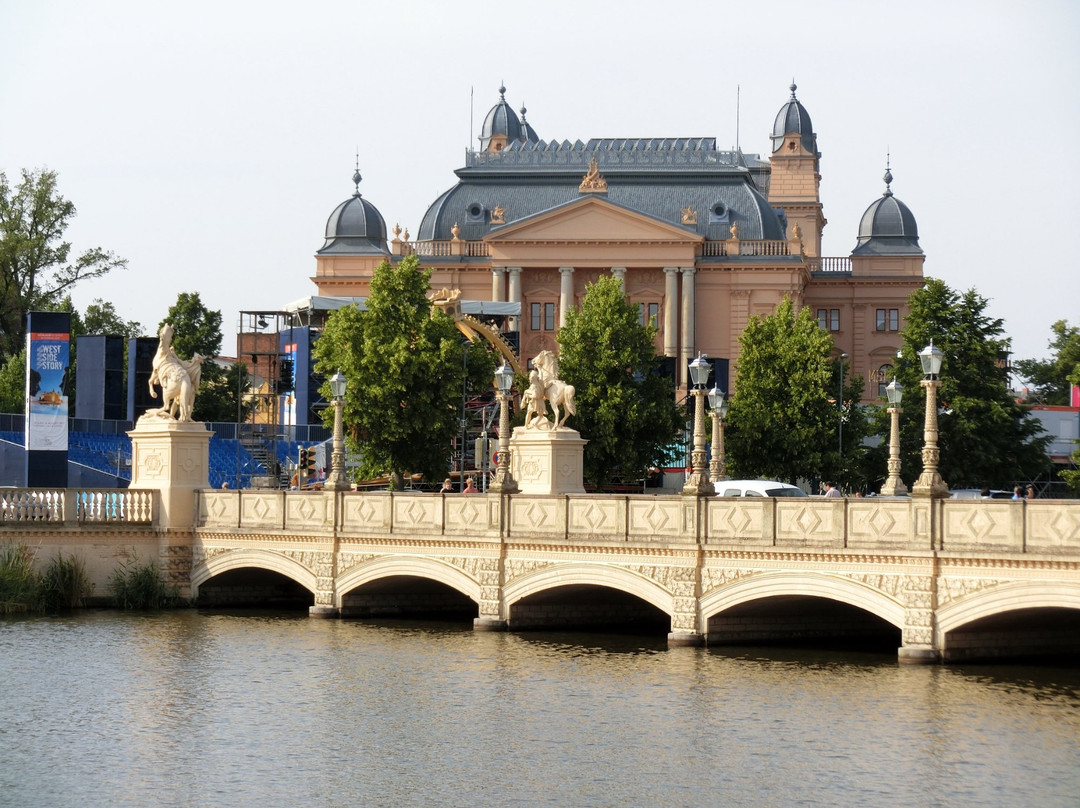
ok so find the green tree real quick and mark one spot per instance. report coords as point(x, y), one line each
point(13, 383)
point(986, 437)
point(1050, 378)
point(782, 422)
point(404, 365)
point(35, 264)
point(101, 317)
point(197, 330)
point(626, 410)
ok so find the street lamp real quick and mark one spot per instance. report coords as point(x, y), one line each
point(840, 401)
point(930, 483)
point(894, 486)
point(719, 408)
point(336, 481)
point(504, 480)
point(698, 484)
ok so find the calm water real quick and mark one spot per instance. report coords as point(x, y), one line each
point(189, 709)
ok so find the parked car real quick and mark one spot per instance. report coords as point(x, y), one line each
point(976, 493)
point(757, 488)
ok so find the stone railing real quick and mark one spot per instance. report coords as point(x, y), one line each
point(743, 247)
point(27, 507)
point(830, 266)
point(1040, 526)
point(442, 249)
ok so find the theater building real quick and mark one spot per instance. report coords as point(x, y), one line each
point(702, 239)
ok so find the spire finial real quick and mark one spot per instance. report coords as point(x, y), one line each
point(356, 175)
point(502, 90)
point(888, 174)
point(793, 88)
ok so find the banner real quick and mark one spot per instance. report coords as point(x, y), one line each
point(48, 357)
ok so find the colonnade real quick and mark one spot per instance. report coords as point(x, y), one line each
point(679, 305)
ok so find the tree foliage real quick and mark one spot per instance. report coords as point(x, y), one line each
point(986, 437)
point(1050, 378)
point(626, 410)
point(782, 423)
point(197, 330)
point(405, 369)
point(35, 262)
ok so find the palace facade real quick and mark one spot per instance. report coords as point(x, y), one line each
point(702, 239)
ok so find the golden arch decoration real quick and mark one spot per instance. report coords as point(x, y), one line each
point(611, 577)
point(816, 585)
point(415, 566)
point(248, 559)
point(1004, 598)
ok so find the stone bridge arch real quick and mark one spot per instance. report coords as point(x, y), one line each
point(416, 566)
point(1004, 598)
point(570, 574)
point(257, 559)
point(805, 584)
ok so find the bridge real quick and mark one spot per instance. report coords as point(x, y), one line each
point(950, 580)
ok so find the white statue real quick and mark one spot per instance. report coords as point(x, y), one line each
point(179, 380)
point(545, 388)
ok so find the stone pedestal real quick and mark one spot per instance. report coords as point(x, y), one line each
point(547, 461)
point(174, 458)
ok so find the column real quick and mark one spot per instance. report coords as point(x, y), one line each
point(688, 326)
point(566, 293)
point(671, 311)
point(515, 294)
point(498, 284)
point(620, 273)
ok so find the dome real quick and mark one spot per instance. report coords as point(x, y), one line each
point(355, 227)
point(888, 227)
point(793, 117)
point(502, 122)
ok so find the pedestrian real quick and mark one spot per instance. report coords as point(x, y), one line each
point(1018, 492)
point(832, 491)
point(447, 486)
point(470, 487)
point(1030, 492)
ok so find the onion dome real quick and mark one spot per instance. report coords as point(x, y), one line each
point(793, 118)
point(888, 226)
point(502, 126)
point(355, 227)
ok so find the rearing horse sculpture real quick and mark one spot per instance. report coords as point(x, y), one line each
point(556, 393)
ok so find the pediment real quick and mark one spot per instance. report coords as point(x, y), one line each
point(592, 220)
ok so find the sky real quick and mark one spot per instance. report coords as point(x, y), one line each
point(208, 142)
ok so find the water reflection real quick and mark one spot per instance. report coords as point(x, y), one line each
point(237, 709)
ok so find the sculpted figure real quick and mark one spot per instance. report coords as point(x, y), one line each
point(179, 380)
point(548, 388)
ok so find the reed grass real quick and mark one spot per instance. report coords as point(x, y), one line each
point(18, 581)
point(137, 586)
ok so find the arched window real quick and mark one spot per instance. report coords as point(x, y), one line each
point(884, 376)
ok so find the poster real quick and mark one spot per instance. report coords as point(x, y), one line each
point(47, 380)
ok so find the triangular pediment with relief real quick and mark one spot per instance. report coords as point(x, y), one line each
point(593, 221)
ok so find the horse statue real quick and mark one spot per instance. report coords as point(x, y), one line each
point(179, 379)
point(548, 389)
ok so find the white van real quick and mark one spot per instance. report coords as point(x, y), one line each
point(756, 488)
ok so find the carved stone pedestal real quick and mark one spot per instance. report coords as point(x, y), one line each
point(548, 461)
point(174, 458)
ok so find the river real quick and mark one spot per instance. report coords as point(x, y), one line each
point(198, 709)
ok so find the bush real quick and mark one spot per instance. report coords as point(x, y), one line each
point(138, 586)
point(18, 581)
point(63, 585)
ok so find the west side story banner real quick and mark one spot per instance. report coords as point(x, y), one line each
point(48, 358)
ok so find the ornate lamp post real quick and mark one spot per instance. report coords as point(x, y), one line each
point(719, 409)
point(698, 484)
point(336, 481)
point(504, 481)
point(930, 483)
point(894, 486)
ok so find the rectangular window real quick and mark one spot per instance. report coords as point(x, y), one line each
point(649, 313)
point(888, 320)
point(549, 316)
point(834, 319)
point(822, 321)
point(535, 318)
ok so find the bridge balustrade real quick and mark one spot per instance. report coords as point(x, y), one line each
point(27, 507)
point(878, 523)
